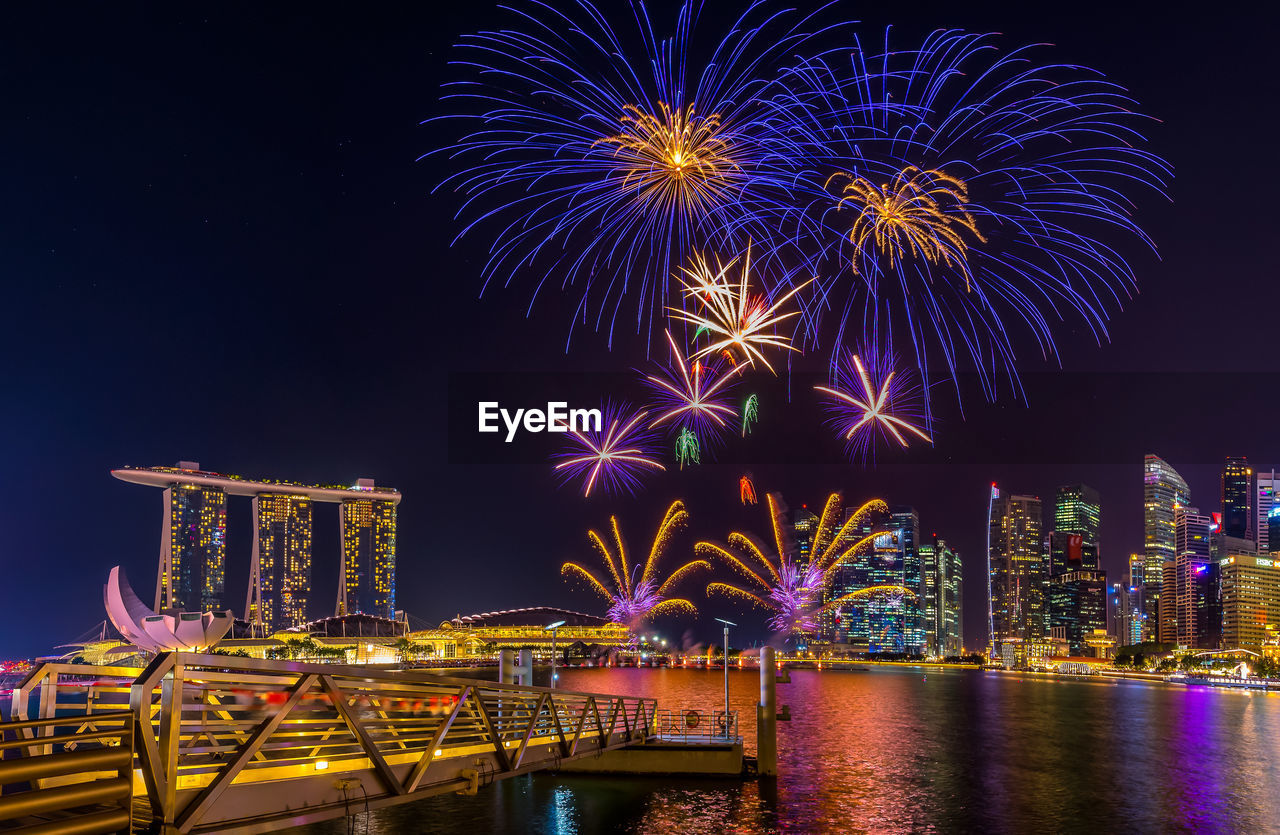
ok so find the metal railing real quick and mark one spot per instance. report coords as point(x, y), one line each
point(69, 774)
point(696, 726)
point(214, 735)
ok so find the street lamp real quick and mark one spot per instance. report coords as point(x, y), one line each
point(553, 627)
point(727, 624)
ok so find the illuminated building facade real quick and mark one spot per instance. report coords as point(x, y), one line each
point(943, 610)
point(906, 522)
point(1193, 617)
point(1237, 499)
point(1077, 509)
point(1250, 599)
point(1078, 606)
point(368, 574)
point(1018, 572)
point(281, 566)
point(1264, 505)
point(193, 548)
point(193, 554)
point(1162, 490)
point(1124, 614)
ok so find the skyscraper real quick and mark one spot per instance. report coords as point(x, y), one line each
point(1162, 490)
point(1017, 568)
point(950, 586)
point(1078, 606)
point(368, 558)
point(848, 624)
point(1264, 501)
point(1077, 509)
point(193, 547)
point(906, 522)
point(1237, 499)
point(1195, 614)
point(281, 562)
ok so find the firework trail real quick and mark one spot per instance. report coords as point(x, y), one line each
point(776, 580)
point(635, 593)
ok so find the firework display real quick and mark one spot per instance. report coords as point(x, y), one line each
point(691, 396)
point(735, 318)
point(601, 150)
point(750, 413)
point(687, 449)
point(868, 402)
point(634, 592)
point(775, 580)
point(616, 457)
point(747, 489)
point(972, 193)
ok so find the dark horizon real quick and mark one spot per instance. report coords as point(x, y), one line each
point(220, 247)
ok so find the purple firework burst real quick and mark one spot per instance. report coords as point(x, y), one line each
point(613, 454)
point(872, 402)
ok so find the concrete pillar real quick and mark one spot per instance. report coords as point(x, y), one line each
point(524, 673)
point(506, 666)
point(767, 716)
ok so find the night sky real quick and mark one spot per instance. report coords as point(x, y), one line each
point(217, 245)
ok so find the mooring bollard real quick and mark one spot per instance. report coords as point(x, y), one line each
point(767, 716)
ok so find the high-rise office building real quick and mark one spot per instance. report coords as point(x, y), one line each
point(1078, 606)
point(1162, 491)
point(1124, 614)
point(1077, 509)
point(906, 522)
point(193, 546)
point(1250, 599)
point(1237, 499)
point(1192, 618)
point(368, 558)
point(281, 562)
point(1069, 552)
point(1018, 572)
point(1265, 502)
point(950, 589)
point(942, 609)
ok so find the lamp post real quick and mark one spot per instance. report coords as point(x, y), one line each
point(553, 627)
point(727, 624)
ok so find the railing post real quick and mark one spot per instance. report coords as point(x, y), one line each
point(767, 716)
point(170, 736)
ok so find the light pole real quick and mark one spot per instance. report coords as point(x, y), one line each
point(727, 624)
point(554, 627)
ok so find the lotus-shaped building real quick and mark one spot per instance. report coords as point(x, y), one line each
point(147, 630)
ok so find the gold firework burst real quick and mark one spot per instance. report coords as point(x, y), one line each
point(631, 598)
point(675, 157)
point(921, 214)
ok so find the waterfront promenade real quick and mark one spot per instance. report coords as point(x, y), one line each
point(890, 750)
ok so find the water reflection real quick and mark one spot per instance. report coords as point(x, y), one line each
point(894, 750)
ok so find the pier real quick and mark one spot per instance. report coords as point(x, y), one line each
point(232, 744)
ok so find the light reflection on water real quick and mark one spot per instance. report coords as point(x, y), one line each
point(895, 750)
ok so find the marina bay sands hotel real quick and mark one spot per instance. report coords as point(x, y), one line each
point(193, 532)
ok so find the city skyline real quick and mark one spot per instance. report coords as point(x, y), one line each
point(101, 230)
